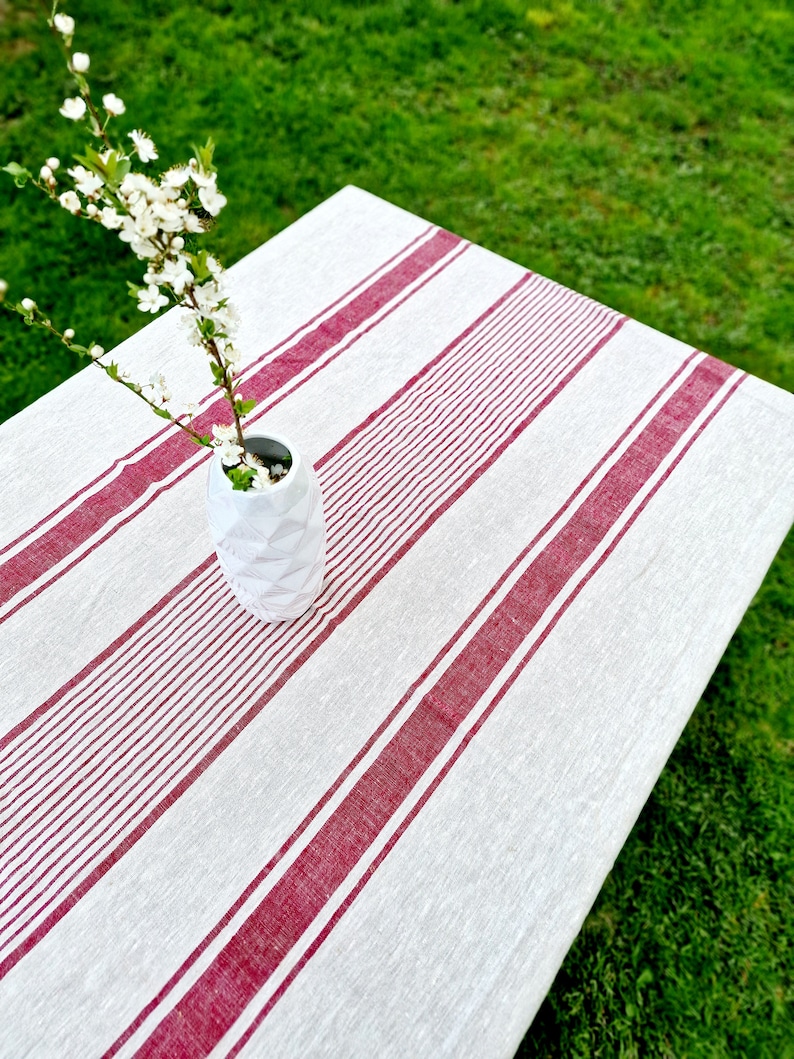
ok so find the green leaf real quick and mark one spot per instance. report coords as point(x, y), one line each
point(204, 155)
point(199, 263)
point(162, 412)
point(244, 407)
point(240, 477)
point(19, 173)
point(123, 167)
point(92, 160)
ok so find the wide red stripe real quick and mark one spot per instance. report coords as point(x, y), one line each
point(75, 528)
point(212, 1005)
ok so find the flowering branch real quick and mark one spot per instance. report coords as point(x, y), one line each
point(156, 218)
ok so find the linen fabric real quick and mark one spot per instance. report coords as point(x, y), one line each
point(376, 829)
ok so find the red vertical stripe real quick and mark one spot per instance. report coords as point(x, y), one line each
point(212, 1005)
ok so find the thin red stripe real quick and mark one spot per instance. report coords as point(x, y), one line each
point(212, 1005)
point(58, 541)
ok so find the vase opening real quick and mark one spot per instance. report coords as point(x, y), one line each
point(271, 452)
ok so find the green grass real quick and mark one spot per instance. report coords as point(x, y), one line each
point(637, 151)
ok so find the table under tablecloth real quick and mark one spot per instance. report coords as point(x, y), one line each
point(374, 830)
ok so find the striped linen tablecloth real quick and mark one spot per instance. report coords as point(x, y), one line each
point(375, 830)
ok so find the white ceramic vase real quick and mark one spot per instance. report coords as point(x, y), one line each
point(270, 542)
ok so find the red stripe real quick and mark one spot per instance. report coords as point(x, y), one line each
point(228, 736)
point(212, 1005)
point(76, 527)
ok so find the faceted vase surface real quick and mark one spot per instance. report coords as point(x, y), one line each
point(270, 542)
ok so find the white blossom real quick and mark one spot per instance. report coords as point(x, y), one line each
point(80, 62)
point(224, 433)
point(230, 453)
point(73, 108)
point(86, 182)
point(145, 224)
point(169, 216)
point(144, 146)
point(232, 357)
point(142, 248)
point(139, 245)
point(192, 223)
point(110, 219)
point(199, 177)
point(261, 479)
point(113, 105)
point(176, 273)
point(70, 202)
point(64, 24)
point(212, 200)
point(188, 323)
point(207, 297)
point(176, 177)
point(28, 304)
point(150, 300)
point(160, 387)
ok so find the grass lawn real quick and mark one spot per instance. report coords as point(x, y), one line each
point(637, 151)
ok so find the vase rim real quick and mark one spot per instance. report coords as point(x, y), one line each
point(279, 486)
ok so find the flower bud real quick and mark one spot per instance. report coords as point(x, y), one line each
point(28, 304)
point(91, 209)
point(73, 109)
point(95, 351)
point(113, 105)
point(69, 334)
point(45, 172)
point(64, 24)
point(80, 62)
point(3, 289)
point(54, 163)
